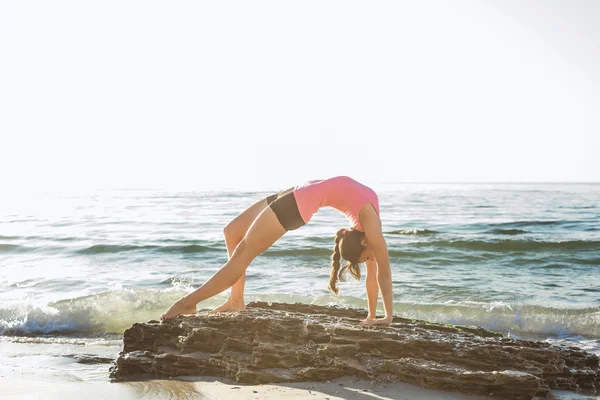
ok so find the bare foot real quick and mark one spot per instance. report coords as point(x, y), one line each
point(178, 308)
point(230, 306)
point(376, 321)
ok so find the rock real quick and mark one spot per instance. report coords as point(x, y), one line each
point(298, 342)
point(89, 359)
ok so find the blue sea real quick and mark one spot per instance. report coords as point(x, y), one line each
point(78, 268)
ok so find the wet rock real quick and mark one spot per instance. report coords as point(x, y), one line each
point(89, 359)
point(298, 342)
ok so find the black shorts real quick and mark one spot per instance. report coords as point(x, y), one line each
point(285, 208)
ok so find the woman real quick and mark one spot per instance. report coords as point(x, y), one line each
point(257, 228)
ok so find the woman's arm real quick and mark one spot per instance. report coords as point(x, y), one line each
point(372, 225)
point(371, 288)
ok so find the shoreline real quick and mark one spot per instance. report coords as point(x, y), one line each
point(37, 384)
point(209, 388)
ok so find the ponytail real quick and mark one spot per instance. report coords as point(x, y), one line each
point(335, 262)
point(352, 248)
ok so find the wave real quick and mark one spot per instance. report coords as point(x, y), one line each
point(117, 248)
point(513, 245)
point(9, 247)
point(108, 312)
point(114, 311)
point(100, 249)
point(414, 231)
point(524, 224)
point(3, 237)
point(46, 238)
point(14, 248)
point(525, 320)
point(507, 231)
point(321, 249)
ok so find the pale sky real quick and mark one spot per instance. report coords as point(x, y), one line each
point(267, 94)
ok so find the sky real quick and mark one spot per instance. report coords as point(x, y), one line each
point(267, 94)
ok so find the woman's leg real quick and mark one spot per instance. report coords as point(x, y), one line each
point(263, 232)
point(234, 232)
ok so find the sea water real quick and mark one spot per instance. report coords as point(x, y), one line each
point(78, 268)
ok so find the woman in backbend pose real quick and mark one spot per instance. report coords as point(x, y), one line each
point(257, 228)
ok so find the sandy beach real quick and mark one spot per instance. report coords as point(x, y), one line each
point(34, 384)
point(52, 372)
point(21, 388)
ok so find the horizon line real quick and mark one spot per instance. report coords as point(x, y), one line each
point(498, 182)
point(259, 189)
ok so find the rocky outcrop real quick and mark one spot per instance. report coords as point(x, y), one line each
point(299, 342)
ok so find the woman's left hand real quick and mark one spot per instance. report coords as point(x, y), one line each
point(376, 321)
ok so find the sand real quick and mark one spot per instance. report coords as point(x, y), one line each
point(31, 386)
point(45, 371)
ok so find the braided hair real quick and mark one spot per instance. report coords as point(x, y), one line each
point(348, 244)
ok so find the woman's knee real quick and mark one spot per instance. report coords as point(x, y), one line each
point(233, 231)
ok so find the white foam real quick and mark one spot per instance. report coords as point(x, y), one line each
point(116, 310)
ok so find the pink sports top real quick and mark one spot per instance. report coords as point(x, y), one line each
point(342, 193)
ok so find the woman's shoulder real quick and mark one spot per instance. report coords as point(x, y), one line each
point(369, 217)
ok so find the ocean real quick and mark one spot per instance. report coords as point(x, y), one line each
point(78, 268)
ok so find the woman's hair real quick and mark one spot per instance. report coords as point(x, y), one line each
point(347, 245)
